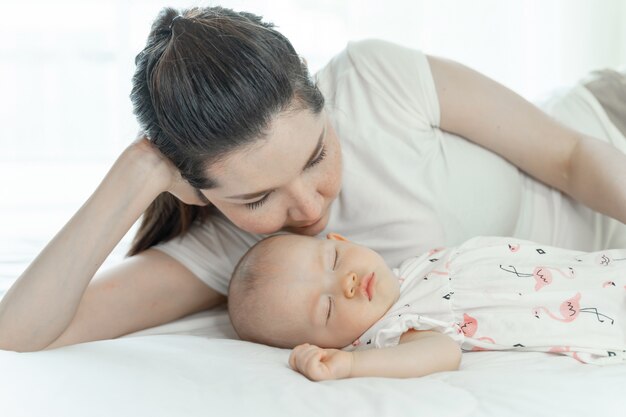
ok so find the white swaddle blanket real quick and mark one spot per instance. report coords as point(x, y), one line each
point(494, 293)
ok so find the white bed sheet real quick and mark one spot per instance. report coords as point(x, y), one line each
point(193, 368)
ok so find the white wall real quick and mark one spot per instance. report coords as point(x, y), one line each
point(65, 66)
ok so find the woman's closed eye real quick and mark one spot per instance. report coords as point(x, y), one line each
point(319, 158)
point(258, 203)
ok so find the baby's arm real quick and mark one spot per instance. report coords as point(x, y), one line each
point(419, 353)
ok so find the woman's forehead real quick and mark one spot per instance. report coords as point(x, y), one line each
point(272, 160)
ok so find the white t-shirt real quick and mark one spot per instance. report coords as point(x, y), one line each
point(407, 186)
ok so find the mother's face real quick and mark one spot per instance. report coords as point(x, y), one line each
point(286, 180)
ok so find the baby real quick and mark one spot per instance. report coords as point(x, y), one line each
point(320, 296)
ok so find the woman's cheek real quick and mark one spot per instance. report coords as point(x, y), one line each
point(263, 220)
point(334, 172)
point(260, 223)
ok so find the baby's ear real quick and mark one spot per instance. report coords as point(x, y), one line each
point(336, 236)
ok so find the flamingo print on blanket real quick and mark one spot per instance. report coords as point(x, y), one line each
point(542, 274)
point(469, 328)
point(570, 310)
point(606, 260)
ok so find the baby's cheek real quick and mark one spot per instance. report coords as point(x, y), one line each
point(358, 326)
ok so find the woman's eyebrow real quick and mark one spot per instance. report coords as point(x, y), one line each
point(316, 151)
point(249, 196)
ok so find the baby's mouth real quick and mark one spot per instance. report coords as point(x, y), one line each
point(367, 285)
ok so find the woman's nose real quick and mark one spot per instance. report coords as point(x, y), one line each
point(307, 203)
point(349, 284)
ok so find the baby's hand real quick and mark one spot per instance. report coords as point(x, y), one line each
point(319, 364)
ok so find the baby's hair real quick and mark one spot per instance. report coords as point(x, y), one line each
point(245, 308)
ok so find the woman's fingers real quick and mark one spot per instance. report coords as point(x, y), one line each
point(164, 170)
point(182, 190)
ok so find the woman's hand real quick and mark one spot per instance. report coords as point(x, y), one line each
point(320, 364)
point(156, 167)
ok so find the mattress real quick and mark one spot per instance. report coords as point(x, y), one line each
point(193, 367)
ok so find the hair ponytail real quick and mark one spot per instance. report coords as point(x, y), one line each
point(165, 218)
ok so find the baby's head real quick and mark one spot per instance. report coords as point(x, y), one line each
point(293, 289)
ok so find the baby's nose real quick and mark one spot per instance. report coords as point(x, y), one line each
point(349, 285)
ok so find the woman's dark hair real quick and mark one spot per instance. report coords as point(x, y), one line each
point(209, 81)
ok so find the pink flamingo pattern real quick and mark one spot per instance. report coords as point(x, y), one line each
point(570, 309)
point(542, 274)
point(469, 328)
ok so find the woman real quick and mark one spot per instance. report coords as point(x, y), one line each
point(385, 145)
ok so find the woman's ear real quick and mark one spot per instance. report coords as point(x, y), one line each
point(336, 236)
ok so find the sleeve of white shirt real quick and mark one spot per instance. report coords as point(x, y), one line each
point(210, 250)
point(400, 76)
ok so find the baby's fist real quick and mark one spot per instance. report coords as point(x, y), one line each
point(319, 364)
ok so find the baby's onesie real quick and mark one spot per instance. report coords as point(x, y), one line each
point(494, 293)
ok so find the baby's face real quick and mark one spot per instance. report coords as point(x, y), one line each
point(327, 292)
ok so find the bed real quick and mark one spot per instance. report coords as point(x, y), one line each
point(196, 367)
point(193, 367)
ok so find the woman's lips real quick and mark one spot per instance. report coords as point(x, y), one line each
point(310, 229)
point(308, 225)
point(367, 285)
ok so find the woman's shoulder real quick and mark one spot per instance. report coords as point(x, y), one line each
point(377, 55)
point(394, 77)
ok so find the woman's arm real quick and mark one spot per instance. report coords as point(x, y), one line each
point(142, 291)
point(419, 353)
point(489, 114)
point(50, 300)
